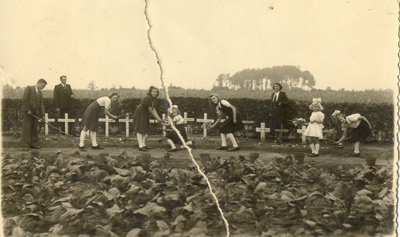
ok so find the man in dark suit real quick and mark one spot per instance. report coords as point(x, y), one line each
point(278, 110)
point(63, 102)
point(32, 104)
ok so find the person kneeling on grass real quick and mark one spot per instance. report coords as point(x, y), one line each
point(173, 137)
point(231, 124)
point(361, 129)
point(314, 129)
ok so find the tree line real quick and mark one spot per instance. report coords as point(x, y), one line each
point(262, 79)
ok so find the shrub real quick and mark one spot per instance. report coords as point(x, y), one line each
point(250, 109)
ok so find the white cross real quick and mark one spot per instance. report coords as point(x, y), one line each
point(164, 133)
point(66, 120)
point(247, 125)
point(155, 121)
point(205, 121)
point(107, 120)
point(262, 131)
point(281, 130)
point(46, 127)
point(186, 119)
point(126, 120)
point(303, 137)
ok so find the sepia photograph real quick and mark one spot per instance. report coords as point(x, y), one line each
point(199, 118)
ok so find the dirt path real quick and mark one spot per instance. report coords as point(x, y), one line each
point(267, 150)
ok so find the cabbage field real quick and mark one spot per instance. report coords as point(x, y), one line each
point(81, 194)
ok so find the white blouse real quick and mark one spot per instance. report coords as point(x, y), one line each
point(225, 103)
point(352, 121)
point(104, 101)
point(178, 120)
point(317, 117)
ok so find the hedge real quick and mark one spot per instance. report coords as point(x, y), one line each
point(381, 116)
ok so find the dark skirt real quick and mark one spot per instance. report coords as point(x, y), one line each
point(91, 116)
point(361, 132)
point(174, 137)
point(229, 127)
point(278, 119)
point(141, 120)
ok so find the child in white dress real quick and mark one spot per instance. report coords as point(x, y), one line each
point(314, 129)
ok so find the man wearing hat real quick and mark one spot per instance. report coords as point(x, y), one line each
point(279, 101)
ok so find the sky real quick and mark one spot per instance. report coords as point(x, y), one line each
point(344, 44)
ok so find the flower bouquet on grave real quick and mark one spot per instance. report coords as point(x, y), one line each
point(206, 125)
point(299, 122)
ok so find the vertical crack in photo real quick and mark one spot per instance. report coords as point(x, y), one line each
point(159, 62)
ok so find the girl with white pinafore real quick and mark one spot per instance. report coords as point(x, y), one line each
point(314, 128)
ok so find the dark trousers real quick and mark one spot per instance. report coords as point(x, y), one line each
point(276, 123)
point(62, 124)
point(29, 136)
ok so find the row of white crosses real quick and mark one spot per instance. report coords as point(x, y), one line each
point(262, 129)
point(65, 120)
point(105, 120)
